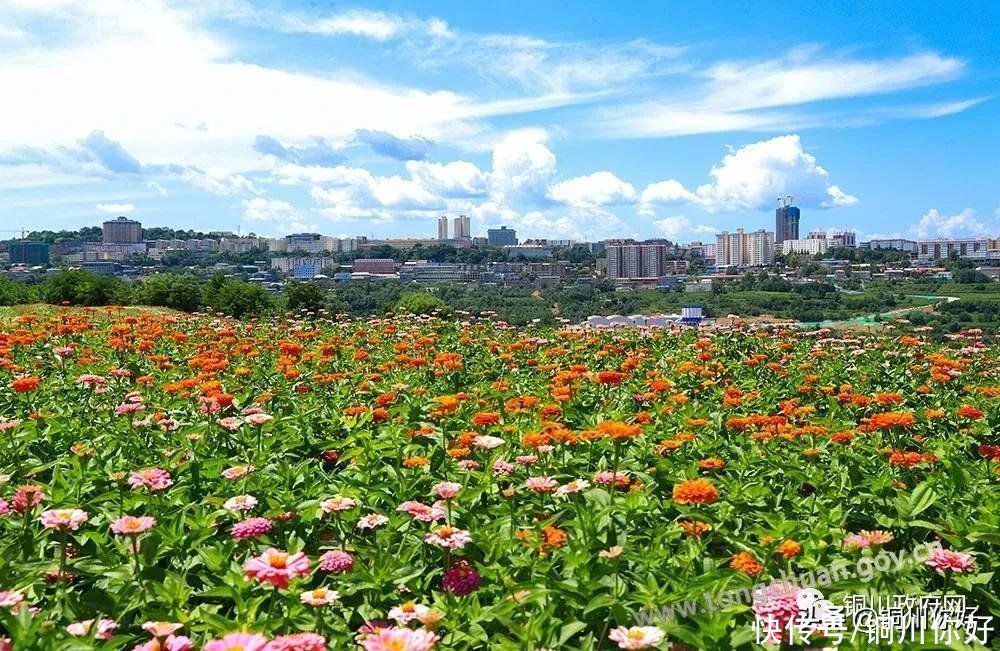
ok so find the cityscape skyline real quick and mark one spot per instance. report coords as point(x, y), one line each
point(370, 119)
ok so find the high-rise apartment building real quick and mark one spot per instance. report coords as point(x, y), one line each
point(122, 231)
point(462, 230)
point(786, 221)
point(742, 249)
point(641, 261)
point(442, 228)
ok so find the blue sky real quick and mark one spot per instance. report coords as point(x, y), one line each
point(582, 120)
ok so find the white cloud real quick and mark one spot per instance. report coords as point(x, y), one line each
point(667, 192)
point(838, 198)
point(593, 191)
point(455, 179)
point(778, 94)
point(522, 167)
point(935, 224)
point(116, 208)
point(219, 181)
point(751, 177)
point(676, 226)
point(260, 209)
point(377, 25)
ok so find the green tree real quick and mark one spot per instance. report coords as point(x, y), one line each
point(180, 292)
point(304, 296)
point(422, 303)
point(79, 287)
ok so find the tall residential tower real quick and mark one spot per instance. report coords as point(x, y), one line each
point(786, 220)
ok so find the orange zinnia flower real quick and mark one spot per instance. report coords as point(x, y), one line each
point(25, 384)
point(789, 548)
point(970, 412)
point(746, 563)
point(695, 491)
point(618, 430)
point(694, 528)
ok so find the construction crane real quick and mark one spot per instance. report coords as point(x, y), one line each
point(22, 232)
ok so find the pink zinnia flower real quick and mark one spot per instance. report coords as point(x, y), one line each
point(11, 598)
point(63, 519)
point(527, 459)
point(399, 639)
point(250, 528)
point(446, 490)
point(319, 597)
point(154, 479)
point(855, 541)
point(336, 562)
point(372, 520)
point(237, 472)
point(170, 643)
point(421, 511)
point(575, 486)
point(337, 504)
point(26, 498)
point(4, 507)
point(258, 419)
point(636, 637)
point(469, 464)
point(502, 468)
point(161, 629)
point(297, 642)
point(405, 613)
point(448, 537)
point(231, 423)
point(487, 442)
point(541, 484)
point(775, 606)
point(240, 503)
point(276, 567)
point(131, 525)
point(945, 560)
point(238, 642)
point(7, 425)
point(104, 629)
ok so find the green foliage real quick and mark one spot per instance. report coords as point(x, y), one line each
point(236, 297)
point(180, 292)
point(304, 296)
point(13, 293)
point(79, 287)
point(422, 303)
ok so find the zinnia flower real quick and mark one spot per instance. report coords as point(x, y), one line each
point(276, 567)
point(446, 490)
point(695, 491)
point(337, 504)
point(297, 642)
point(372, 520)
point(153, 479)
point(949, 560)
point(541, 484)
point(63, 519)
point(238, 642)
point(103, 630)
point(636, 637)
point(240, 503)
point(461, 579)
point(250, 528)
point(336, 562)
point(448, 537)
point(319, 597)
point(399, 639)
point(131, 525)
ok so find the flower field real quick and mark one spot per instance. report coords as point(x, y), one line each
point(175, 482)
